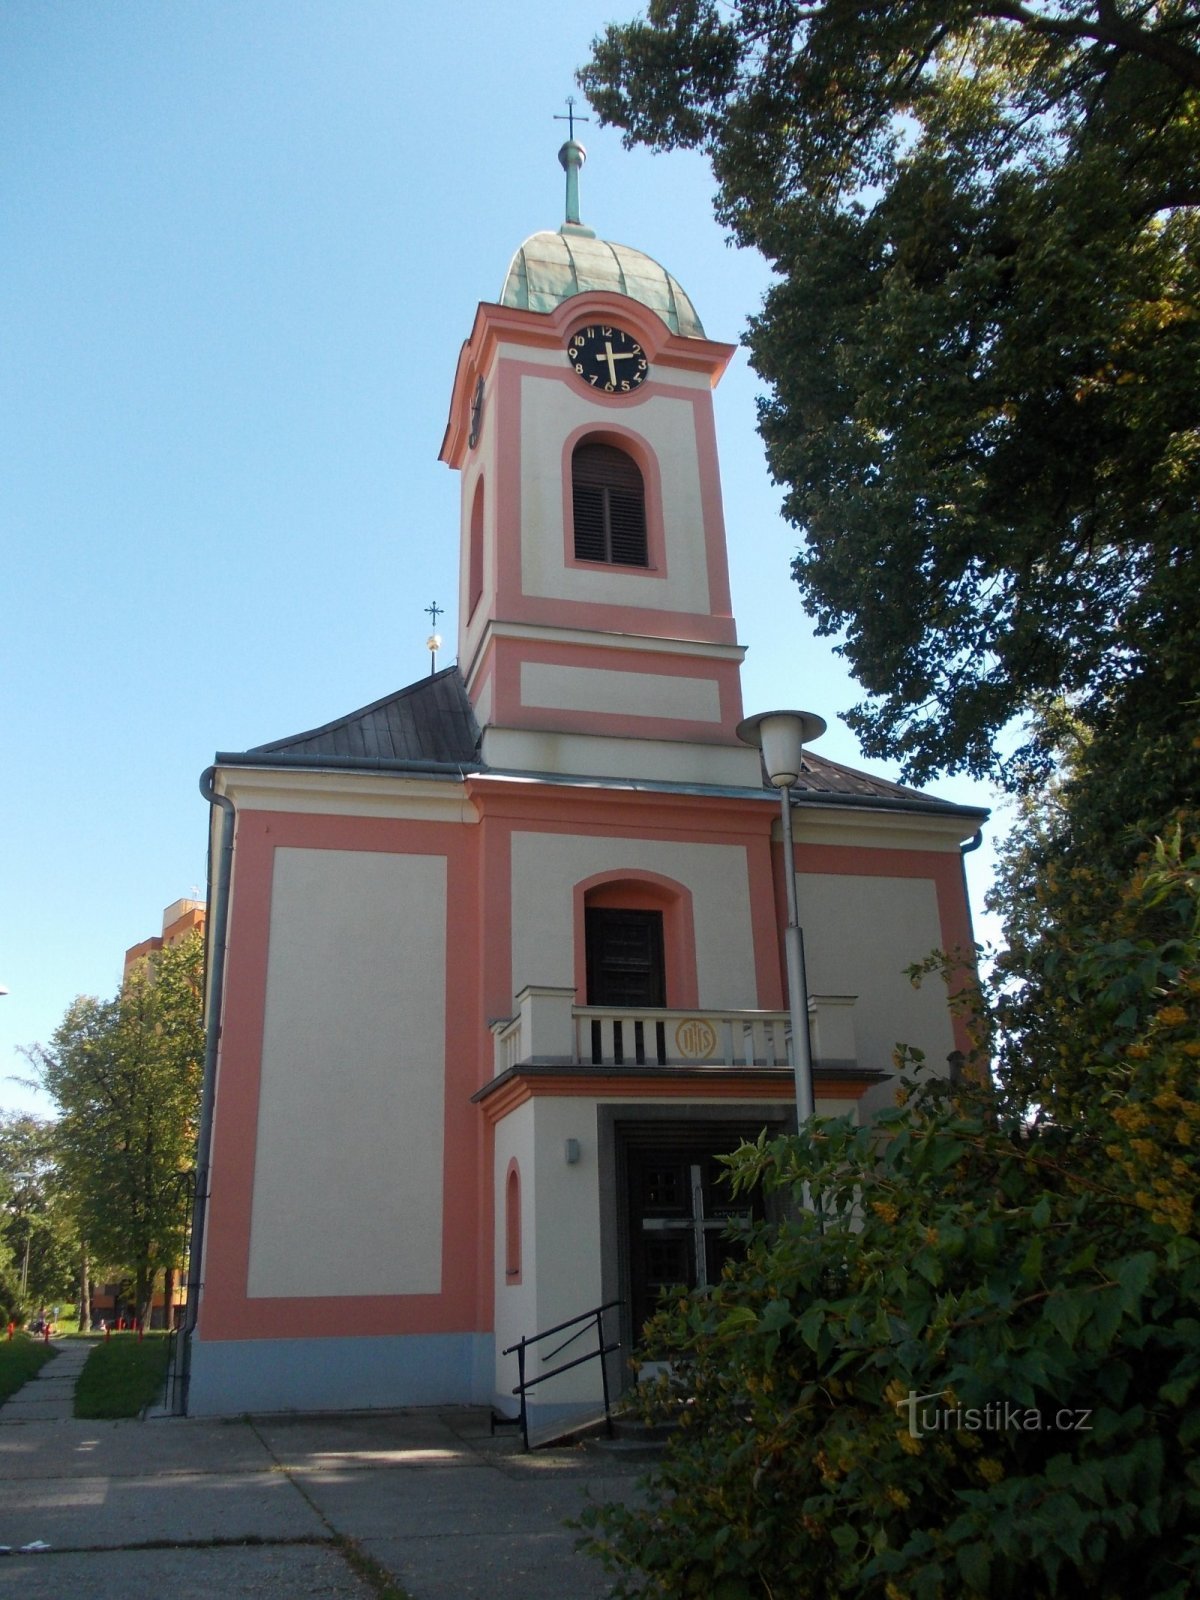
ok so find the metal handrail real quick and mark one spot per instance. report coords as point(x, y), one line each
point(596, 1315)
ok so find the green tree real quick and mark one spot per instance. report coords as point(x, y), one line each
point(36, 1224)
point(982, 347)
point(125, 1075)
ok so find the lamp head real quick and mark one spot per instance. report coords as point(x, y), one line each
point(781, 736)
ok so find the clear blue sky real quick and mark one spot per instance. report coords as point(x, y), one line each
point(244, 241)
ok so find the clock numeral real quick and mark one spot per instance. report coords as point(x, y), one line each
point(643, 366)
point(624, 386)
point(579, 369)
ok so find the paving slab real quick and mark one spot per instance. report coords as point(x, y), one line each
point(540, 1566)
point(127, 1448)
point(104, 1512)
point(451, 1511)
point(373, 1439)
point(475, 1501)
point(260, 1572)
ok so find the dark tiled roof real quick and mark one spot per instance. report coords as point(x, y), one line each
point(432, 722)
point(429, 721)
point(822, 778)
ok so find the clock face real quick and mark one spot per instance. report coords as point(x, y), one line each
point(608, 359)
point(476, 415)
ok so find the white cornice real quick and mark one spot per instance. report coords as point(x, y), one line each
point(354, 793)
point(640, 642)
point(823, 822)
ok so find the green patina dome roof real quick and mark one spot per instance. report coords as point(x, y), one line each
point(551, 267)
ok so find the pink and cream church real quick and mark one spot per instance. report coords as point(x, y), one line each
point(497, 963)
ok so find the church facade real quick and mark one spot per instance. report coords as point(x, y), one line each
point(496, 963)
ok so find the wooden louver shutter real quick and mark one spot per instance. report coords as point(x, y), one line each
point(609, 503)
point(625, 964)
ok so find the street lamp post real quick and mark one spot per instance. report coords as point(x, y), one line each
point(781, 737)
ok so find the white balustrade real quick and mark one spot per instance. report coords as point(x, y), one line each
point(549, 1028)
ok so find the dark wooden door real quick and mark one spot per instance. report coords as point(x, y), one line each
point(624, 958)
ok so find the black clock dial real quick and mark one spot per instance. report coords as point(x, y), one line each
point(476, 415)
point(609, 359)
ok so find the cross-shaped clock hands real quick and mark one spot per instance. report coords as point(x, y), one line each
point(596, 353)
point(611, 357)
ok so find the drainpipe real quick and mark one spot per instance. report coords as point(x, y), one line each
point(956, 1058)
point(214, 965)
point(964, 850)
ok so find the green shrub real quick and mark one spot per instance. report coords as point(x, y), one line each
point(970, 1367)
point(1053, 1327)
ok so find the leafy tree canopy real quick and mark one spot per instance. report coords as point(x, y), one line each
point(983, 345)
point(37, 1229)
point(125, 1075)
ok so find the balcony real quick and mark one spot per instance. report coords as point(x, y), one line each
point(550, 1029)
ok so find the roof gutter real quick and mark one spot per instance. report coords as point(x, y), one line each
point(285, 759)
point(216, 939)
point(458, 770)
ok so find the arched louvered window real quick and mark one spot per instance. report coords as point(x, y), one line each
point(475, 553)
point(609, 500)
point(512, 1224)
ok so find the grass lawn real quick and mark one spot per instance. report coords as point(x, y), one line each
point(122, 1377)
point(20, 1358)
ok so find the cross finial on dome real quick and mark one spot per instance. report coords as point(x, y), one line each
point(569, 119)
point(571, 157)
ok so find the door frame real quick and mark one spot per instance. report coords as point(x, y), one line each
point(619, 1125)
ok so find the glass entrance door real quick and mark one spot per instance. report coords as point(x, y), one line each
point(679, 1214)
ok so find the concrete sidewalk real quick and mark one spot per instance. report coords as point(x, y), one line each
point(259, 1507)
point(49, 1396)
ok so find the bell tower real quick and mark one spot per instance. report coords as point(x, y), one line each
point(595, 628)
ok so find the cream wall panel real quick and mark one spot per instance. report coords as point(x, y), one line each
point(630, 694)
point(348, 1162)
point(546, 867)
point(483, 704)
point(551, 411)
point(568, 1232)
point(662, 760)
point(859, 935)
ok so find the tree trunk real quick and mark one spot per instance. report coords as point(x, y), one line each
point(144, 1296)
point(85, 1292)
point(169, 1298)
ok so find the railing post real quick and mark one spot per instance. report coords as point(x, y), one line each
point(521, 1385)
point(603, 1370)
